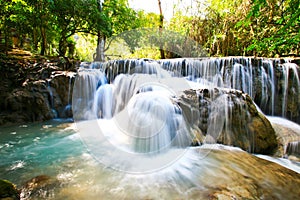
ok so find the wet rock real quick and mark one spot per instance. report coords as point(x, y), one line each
point(39, 187)
point(27, 106)
point(288, 136)
point(228, 117)
point(62, 88)
point(25, 93)
point(8, 191)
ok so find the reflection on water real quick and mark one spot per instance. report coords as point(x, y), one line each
point(211, 171)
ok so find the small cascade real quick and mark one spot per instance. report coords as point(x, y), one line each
point(292, 148)
point(241, 77)
point(85, 86)
point(291, 86)
point(54, 112)
point(68, 108)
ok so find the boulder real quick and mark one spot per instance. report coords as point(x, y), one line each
point(39, 187)
point(288, 136)
point(8, 191)
point(228, 117)
point(26, 91)
point(28, 106)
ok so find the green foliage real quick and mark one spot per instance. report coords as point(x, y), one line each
point(275, 27)
point(221, 27)
point(50, 23)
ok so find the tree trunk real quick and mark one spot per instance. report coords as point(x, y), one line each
point(35, 39)
point(62, 45)
point(161, 23)
point(6, 38)
point(44, 41)
point(100, 52)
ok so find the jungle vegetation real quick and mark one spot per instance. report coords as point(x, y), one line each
point(75, 28)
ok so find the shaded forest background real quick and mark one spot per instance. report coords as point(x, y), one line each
point(74, 28)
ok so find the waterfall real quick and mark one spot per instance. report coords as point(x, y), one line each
point(85, 87)
point(139, 103)
point(287, 87)
point(133, 108)
point(272, 83)
point(269, 82)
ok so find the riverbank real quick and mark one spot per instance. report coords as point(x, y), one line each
point(34, 88)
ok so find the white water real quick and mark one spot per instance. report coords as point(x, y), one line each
point(138, 101)
point(241, 74)
point(131, 120)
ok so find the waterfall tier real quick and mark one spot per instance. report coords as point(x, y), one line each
point(273, 84)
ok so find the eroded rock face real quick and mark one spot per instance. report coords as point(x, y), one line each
point(228, 117)
point(23, 105)
point(34, 91)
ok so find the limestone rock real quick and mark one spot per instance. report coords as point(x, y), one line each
point(228, 117)
point(29, 106)
point(288, 136)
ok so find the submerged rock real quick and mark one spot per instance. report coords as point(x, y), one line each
point(228, 117)
point(8, 191)
point(39, 187)
point(238, 175)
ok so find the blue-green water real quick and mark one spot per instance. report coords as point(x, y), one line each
point(31, 149)
point(55, 149)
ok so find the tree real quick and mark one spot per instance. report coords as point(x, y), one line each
point(14, 20)
point(213, 25)
point(73, 16)
point(120, 18)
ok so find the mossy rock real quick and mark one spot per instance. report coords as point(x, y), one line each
point(8, 190)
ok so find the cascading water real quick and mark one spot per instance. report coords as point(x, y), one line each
point(141, 110)
point(102, 100)
point(268, 81)
point(144, 115)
